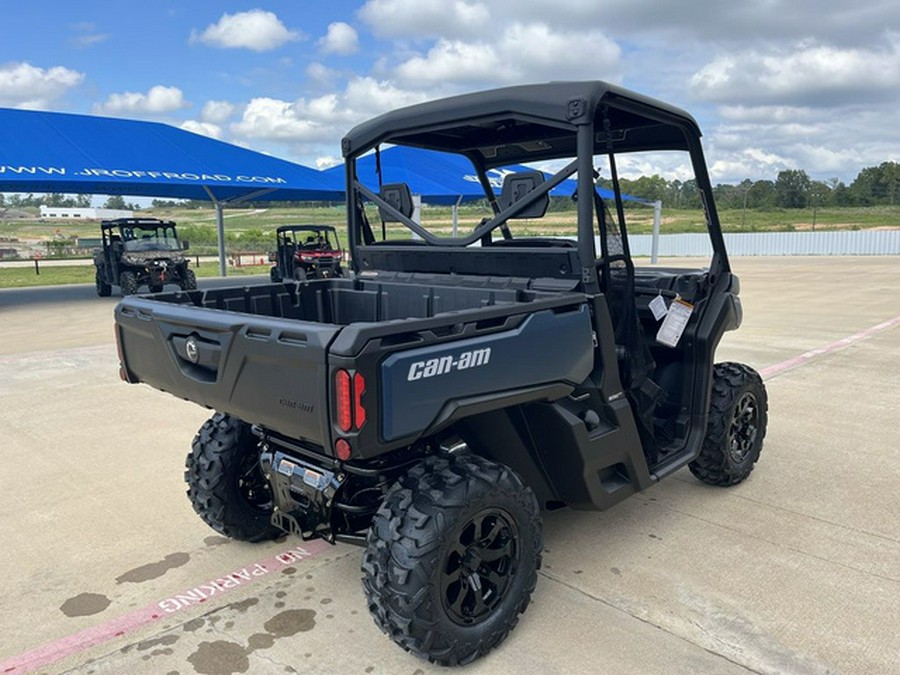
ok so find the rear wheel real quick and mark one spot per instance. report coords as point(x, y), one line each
point(738, 415)
point(452, 558)
point(128, 283)
point(226, 485)
point(104, 290)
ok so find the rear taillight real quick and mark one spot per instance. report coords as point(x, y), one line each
point(349, 390)
point(351, 414)
point(344, 410)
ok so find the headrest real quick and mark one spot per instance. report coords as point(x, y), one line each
point(516, 187)
point(398, 196)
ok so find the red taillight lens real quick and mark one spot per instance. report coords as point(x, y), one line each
point(350, 411)
point(344, 410)
point(359, 413)
point(343, 449)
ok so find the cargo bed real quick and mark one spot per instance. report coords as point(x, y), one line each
point(265, 353)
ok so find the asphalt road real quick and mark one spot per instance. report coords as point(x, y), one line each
point(106, 568)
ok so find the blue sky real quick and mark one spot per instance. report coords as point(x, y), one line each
point(774, 84)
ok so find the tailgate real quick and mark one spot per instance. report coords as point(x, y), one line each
point(268, 371)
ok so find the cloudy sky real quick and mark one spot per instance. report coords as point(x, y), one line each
point(775, 84)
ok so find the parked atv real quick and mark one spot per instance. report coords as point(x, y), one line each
point(306, 252)
point(141, 252)
point(429, 407)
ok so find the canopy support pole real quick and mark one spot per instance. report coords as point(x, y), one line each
point(220, 235)
point(220, 229)
point(657, 217)
point(456, 216)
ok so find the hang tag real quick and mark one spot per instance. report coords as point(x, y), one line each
point(658, 306)
point(674, 324)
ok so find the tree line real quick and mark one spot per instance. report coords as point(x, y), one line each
point(792, 189)
point(57, 200)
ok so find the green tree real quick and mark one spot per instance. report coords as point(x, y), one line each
point(115, 202)
point(792, 189)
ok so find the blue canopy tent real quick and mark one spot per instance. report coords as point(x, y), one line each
point(60, 152)
point(442, 177)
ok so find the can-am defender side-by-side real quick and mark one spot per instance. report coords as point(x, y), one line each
point(139, 252)
point(306, 252)
point(429, 407)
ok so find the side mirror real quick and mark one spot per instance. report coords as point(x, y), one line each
point(185, 245)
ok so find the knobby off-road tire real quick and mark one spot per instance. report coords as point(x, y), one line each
point(274, 275)
point(452, 557)
point(189, 283)
point(738, 415)
point(128, 283)
point(225, 483)
point(104, 290)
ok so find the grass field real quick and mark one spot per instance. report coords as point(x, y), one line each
point(260, 224)
point(17, 277)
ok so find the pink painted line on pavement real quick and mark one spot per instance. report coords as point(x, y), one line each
point(789, 364)
point(123, 625)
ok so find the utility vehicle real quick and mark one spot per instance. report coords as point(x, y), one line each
point(431, 406)
point(306, 252)
point(139, 252)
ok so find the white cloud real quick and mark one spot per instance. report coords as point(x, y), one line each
point(341, 39)
point(320, 74)
point(327, 161)
point(256, 29)
point(806, 73)
point(310, 129)
point(425, 18)
point(216, 112)
point(271, 119)
point(23, 85)
point(203, 128)
point(157, 100)
point(519, 53)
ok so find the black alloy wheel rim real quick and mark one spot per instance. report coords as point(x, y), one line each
point(744, 426)
point(252, 485)
point(480, 566)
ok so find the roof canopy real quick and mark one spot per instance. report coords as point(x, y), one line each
point(529, 123)
point(59, 152)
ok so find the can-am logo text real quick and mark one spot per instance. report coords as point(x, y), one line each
point(447, 364)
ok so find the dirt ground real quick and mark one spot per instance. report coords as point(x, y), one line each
point(106, 569)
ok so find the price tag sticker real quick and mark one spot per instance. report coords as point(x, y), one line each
point(674, 324)
point(658, 306)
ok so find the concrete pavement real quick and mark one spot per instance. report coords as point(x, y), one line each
point(796, 570)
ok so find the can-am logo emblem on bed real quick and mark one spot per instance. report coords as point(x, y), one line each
point(421, 370)
point(191, 350)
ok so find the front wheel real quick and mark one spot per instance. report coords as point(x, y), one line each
point(452, 557)
point(226, 485)
point(738, 414)
point(128, 283)
point(189, 283)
